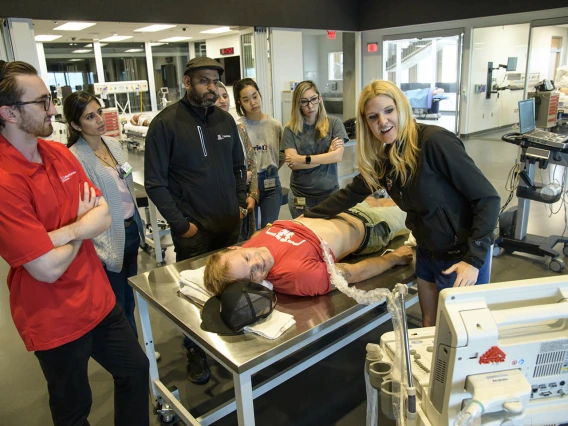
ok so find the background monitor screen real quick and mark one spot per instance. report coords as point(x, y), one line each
point(526, 116)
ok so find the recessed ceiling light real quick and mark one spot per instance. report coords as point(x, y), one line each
point(157, 44)
point(174, 39)
point(116, 38)
point(75, 26)
point(218, 30)
point(46, 37)
point(154, 28)
point(134, 50)
point(100, 44)
point(75, 60)
point(82, 51)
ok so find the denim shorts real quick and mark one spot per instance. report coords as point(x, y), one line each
point(382, 224)
point(430, 270)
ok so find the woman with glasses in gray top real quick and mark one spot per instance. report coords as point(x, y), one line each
point(313, 145)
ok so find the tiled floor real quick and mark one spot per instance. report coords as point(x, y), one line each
point(330, 393)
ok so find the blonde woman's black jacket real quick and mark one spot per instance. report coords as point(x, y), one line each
point(451, 207)
point(194, 167)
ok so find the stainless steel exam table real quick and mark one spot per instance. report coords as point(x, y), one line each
point(246, 354)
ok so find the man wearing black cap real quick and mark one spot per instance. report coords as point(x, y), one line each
point(194, 173)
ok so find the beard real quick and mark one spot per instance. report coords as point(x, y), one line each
point(203, 100)
point(36, 126)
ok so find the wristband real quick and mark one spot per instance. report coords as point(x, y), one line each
point(308, 159)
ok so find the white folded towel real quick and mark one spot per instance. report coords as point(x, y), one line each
point(272, 326)
point(191, 285)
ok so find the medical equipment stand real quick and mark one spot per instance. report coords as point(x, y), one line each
point(532, 153)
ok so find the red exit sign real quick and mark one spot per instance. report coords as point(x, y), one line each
point(227, 51)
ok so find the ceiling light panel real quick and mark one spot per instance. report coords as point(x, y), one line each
point(46, 37)
point(174, 39)
point(116, 38)
point(154, 28)
point(83, 51)
point(218, 30)
point(74, 26)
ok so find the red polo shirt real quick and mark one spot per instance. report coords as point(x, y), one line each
point(34, 200)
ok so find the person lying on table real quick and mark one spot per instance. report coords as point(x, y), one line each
point(289, 253)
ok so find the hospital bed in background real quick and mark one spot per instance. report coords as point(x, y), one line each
point(245, 355)
point(135, 136)
point(425, 104)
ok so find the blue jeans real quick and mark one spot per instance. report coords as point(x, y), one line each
point(270, 199)
point(119, 280)
point(430, 270)
point(310, 202)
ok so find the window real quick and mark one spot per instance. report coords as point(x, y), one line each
point(335, 66)
point(66, 67)
point(200, 49)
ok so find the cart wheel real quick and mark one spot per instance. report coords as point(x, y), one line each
point(498, 251)
point(565, 250)
point(556, 265)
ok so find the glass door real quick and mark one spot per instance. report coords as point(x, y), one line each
point(427, 68)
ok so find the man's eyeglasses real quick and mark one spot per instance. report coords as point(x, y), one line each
point(45, 101)
point(314, 101)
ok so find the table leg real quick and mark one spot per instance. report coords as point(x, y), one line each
point(146, 329)
point(244, 399)
point(155, 232)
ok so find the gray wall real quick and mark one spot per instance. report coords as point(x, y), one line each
point(319, 14)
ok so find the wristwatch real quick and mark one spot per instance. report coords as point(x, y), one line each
point(243, 211)
point(308, 159)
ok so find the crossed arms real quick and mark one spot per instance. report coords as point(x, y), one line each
point(93, 218)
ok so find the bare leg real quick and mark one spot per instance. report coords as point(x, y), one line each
point(380, 202)
point(428, 297)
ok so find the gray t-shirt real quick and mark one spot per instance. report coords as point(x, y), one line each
point(265, 137)
point(322, 180)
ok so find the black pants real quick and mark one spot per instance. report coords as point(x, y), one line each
point(203, 242)
point(113, 345)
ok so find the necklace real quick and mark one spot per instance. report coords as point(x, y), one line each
point(107, 155)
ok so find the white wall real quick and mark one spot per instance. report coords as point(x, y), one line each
point(372, 62)
point(214, 45)
point(500, 110)
point(540, 49)
point(287, 64)
point(325, 48)
point(311, 59)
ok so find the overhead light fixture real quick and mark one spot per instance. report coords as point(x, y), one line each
point(134, 50)
point(157, 44)
point(174, 39)
point(76, 60)
point(100, 44)
point(116, 38)
point(46, 37)
point(217, 30)
point(82, 51)
point(154, 28)
point(75, 26)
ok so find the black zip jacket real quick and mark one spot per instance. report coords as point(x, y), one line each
point(451, 207)
point(194, 167)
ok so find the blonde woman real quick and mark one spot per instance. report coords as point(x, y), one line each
point(313, 144)
point(451, 207)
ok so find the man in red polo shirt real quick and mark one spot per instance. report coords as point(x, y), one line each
point(60, 298)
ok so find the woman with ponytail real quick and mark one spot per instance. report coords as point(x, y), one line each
point(103, 162)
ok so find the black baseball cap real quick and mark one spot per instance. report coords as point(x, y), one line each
point(203, 62)
point(241, 304)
